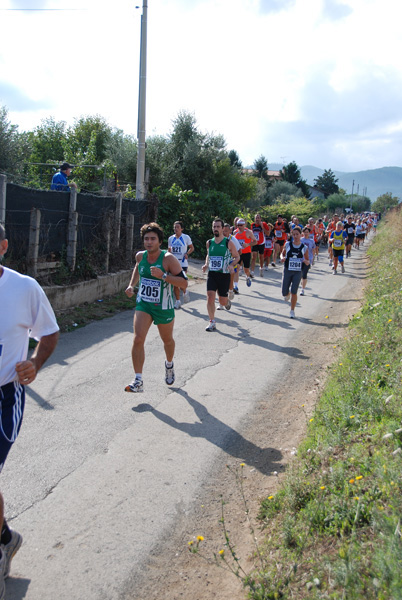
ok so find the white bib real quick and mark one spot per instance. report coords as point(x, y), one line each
point(150, 290)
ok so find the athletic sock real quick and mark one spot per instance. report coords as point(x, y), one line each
point(169, 365)
point(138, 376)
point(5, 534)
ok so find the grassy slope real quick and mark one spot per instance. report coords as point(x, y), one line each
point(334, 530)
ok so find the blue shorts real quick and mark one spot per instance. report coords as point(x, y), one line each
point(12, 402)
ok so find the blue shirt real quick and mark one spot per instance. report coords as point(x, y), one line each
point(60, 182)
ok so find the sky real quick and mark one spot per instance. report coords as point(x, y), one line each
point(314, 81)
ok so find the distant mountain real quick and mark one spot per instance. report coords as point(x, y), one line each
point(372, 183)
point(376, 181)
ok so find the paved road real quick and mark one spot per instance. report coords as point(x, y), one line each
point(98, 476)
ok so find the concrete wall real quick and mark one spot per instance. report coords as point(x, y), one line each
point(61, 297)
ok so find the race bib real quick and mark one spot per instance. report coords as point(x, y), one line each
point(241, 242)
point(150, 290)
point(338, 243)
point(295, 264)
point(278, 233)
point(350, 230)
point(177, 250)
point(268, 243)
point(215, 263)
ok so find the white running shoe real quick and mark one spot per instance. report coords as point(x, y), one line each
point(211, 326)
point(261, 272)
point(266, 268)
point(292, 314)
point(231, 294)
point(251, 273)
point(220, 307)
point(228, 306)
point(186, 297)
point(330, 262)
point(286, 298)
point(136, 386)
point(169, 374)
point(177, 304)
point(302, 292)
point(10, 550)
point(342, 268)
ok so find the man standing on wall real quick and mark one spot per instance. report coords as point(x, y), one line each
point(25, 312)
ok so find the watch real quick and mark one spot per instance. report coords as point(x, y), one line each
point(164, 275)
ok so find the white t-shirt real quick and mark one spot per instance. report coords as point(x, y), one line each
point(236, 242)
point(179, 246)
point(25, 312)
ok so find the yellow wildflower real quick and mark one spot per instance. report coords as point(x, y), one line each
point(200, 538)
point(242, 465)
point(270, 497)
point(190, 543)
point(221, 552)
point(322, 487)
point(311, 420)
point(357, 498)
point(351, 480)
point(359, 477)
point(351, 417)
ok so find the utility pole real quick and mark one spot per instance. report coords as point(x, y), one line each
point(140, 188)
point(351, 199)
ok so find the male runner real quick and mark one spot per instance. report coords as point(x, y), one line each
point(338, 239)
point(230, 236)
point(350, 230)
point(259, 229)
point(293, 255)
point(181, 246)
point(157, 271)
point(247, 240)
point(24, 312)
point(220, 260)
point(280, 237)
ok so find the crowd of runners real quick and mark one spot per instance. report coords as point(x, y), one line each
point(241, 248)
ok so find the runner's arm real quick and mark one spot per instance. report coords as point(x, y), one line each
point(129, 291)
point(234, 253)
point(205, 265)
point(27, 369)
point(175, 274)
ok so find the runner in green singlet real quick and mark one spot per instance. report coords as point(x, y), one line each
point(157, 271)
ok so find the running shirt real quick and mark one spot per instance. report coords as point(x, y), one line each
point(280, 231)
point(294, 256)
point(350, 228)
point(269, 241)
point(310, 246)
point(219, 256)
point(258, 231)
point(151, 290)
point(243, 239)
point(179, 247)
point(338, 240)
point(236, 242)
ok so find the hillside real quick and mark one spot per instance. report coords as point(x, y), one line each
point(377, 181)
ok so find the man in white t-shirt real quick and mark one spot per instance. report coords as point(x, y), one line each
point(181, 246)
point(24, 312)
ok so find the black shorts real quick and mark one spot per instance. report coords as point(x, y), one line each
point(350, 240)
point(280, 242)
point(12, 399)
point(218, 282)
point(338, 252)
point(305, 270)
point(245, 259)
point(259, 248)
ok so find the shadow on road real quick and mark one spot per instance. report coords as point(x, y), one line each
point(266, 460)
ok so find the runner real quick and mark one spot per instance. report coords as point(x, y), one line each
point(307, 241)
point(25, 313)
point(157, 272)
point(220, 260)
point(359, 233)
point(269, 245)
point(350, 230)
point(230, 236)
point(246, 239)
point(259, 228)
point(293, 255)
point(338, 238)
point(331, 227)
point(280, 238)
point(181, 246)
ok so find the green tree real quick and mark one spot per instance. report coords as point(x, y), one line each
point(292, 174)
point(235, 160)
point(385, 202)
point(337, 202)
point(283, 191)
point(88, 130)
point(327, 183)
point(14, 146)
point(260, 167)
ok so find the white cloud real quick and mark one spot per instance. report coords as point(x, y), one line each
point(313, 80)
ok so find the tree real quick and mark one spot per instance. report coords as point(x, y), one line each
point(327, 183)
point(261, 167)
point(235, 160)
point(336, 202)
point(292, 174)
point(385, 202)
point(14, 146)
point(284, 191)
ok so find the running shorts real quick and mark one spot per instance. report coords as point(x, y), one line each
point(159, 316)
point(245, 259)
point(291, 280)
point(259, 248)
point(12, 400)
point(218, 282)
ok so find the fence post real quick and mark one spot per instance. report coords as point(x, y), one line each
point(33, 248)
point(108, 232)
point(117, 219)
point(3, 193)
point(72, 230)
point(129, 238)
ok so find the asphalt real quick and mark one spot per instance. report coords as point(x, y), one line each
point(98, 477)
